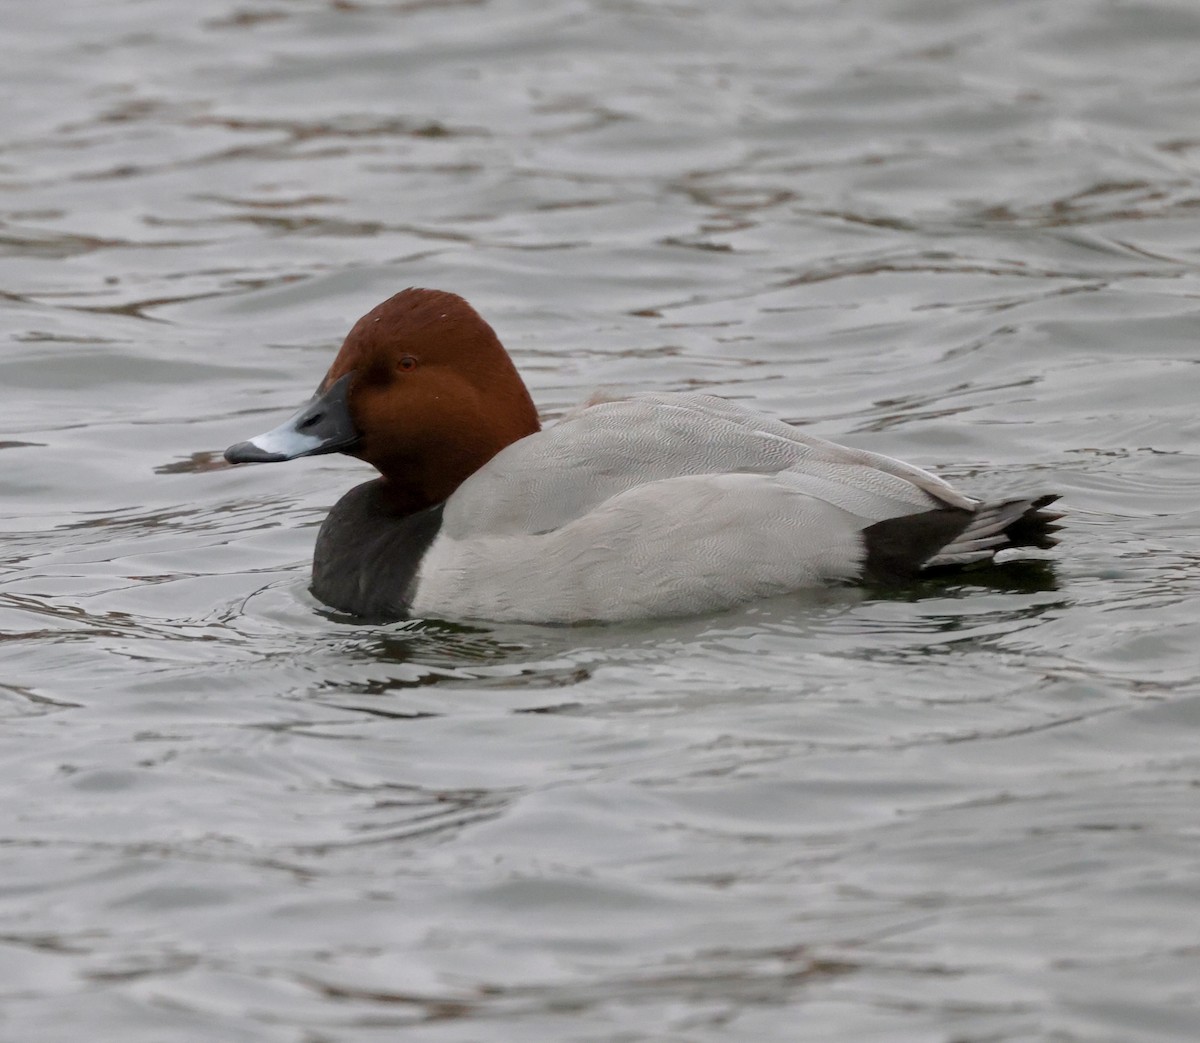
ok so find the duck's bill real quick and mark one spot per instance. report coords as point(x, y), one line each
point(323, 425)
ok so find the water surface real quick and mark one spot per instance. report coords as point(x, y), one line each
point(966, 235)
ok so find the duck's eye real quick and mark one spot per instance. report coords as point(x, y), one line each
point(406, 363)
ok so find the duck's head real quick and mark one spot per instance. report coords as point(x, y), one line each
point(422, 389)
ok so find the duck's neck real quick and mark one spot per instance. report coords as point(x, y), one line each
point(420, 476)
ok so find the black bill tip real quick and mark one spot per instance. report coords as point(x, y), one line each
point(249, 453)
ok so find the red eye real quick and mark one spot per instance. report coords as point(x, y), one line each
point(407, 363)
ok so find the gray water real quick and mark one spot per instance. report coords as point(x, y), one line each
point(964, 234)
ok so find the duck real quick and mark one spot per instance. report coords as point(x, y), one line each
point(640, 506)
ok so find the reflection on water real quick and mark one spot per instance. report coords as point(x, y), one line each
point(963, 235)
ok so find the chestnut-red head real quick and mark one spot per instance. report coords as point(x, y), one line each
point(422, 389)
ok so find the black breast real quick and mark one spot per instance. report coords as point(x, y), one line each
point(366, 558)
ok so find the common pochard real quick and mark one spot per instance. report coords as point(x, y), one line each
point(651, 504)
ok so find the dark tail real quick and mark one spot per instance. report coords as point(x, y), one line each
point(1036, 526)
point(901, 548)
